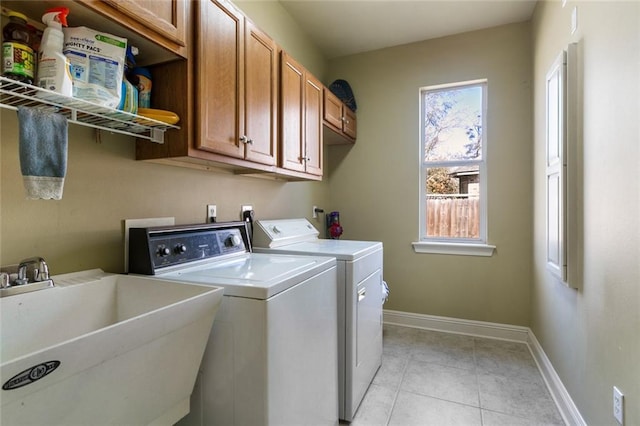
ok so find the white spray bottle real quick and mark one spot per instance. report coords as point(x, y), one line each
point(54, 71)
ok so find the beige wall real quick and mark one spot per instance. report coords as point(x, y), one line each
point(104, 185)
point(375, 183)
point(592, 335)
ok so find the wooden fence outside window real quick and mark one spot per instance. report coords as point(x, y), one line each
point(453, 216)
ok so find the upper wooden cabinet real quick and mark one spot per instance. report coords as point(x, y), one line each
point(313, 125)
point(350, 123)
point(339, 119)
point(300, 117)
point(236, 98)
point(261, 96)
point(332, 113)
point(165, 22)
point(244, 107)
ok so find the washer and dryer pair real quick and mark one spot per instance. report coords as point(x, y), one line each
point(298, 336)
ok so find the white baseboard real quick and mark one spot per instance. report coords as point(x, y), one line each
point(491, 330)
point(459, 326)
point(563, 400)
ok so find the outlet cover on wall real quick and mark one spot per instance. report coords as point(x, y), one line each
point(212, 212)
point(618, 405)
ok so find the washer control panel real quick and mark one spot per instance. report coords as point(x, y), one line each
point(153, 248)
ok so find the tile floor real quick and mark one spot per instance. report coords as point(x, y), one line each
point(433, 378)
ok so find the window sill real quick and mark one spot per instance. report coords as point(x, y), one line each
point(461, 249)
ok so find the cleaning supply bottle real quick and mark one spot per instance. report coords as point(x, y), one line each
point(144, 86)
point(54, 71)
point(129, 95)
point(17, 52)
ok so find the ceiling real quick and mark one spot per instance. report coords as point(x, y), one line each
point(345, 27)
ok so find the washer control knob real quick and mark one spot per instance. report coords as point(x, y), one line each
point(180, 248)
point(164, 251)
point(232, 241)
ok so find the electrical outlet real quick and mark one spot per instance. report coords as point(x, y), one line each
point(245, 208)
point(212, 212)
point(315, 211)
point(618, 405)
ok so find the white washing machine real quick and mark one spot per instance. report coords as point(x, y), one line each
point(271, 358)
point(360, 299)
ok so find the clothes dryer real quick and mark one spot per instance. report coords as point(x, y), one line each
point(360, 298)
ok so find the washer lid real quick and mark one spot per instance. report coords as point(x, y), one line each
point(256, 276)
point(348, 250)
point(280, 232)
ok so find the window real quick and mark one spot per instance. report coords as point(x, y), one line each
point(453, 169)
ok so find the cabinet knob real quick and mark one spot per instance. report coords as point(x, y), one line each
point(245, 140)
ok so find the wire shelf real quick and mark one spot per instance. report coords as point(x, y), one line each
point(14, 94)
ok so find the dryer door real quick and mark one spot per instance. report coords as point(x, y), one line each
point(368, 356)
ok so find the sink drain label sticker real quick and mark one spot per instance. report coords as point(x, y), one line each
point(30, 375)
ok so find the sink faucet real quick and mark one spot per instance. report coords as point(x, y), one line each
point(40, 270)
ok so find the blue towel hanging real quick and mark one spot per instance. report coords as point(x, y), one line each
point(43, 152)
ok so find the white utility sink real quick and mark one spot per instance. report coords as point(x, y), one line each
point(103, 349)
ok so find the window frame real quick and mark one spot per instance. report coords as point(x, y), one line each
point(447, 245)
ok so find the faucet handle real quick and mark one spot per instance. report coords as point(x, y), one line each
point(44, 271)
point(5, 280)
point(22, 275)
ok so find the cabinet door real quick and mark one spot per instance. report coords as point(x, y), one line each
point(260, 96)
point(338, 117)
point(332, 113)
point(219, 70)
point(313, 125)
point(165, 17)
point(350, 123)
point(292, 86)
